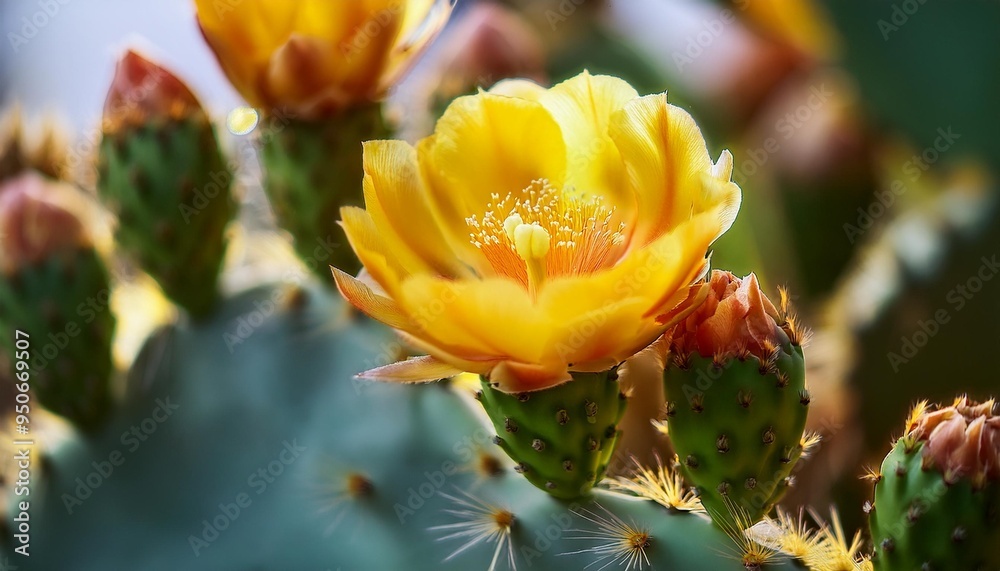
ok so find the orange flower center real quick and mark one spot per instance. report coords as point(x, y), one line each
point(540, 232)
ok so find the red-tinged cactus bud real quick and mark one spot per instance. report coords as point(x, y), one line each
point(490, 43)
point(142, 91)
point(937, 500)
point(962, 440)
point(737, 399)
point(734, 319)
point(50, 270)
point(34, 223)
point(160, 170)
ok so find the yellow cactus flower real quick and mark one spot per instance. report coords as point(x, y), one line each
point(315, 57)
point(537, 232)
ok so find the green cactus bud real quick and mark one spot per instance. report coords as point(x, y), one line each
point(562, 438)
point(312, 169)
point(161, 171)
point(937, 498)
point(54, 301)
point(737, 401)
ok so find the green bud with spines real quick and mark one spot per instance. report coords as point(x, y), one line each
point(161, 171)
point(54, 297)
point(561, 438)
point(737, 402)
point(937, 496)
point(312, 168)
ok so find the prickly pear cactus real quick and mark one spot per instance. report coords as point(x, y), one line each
point(161, 172)
point(561, 438)
point(312, 169)
point(739, 437)
point(937, 496)
point(338, 474)
point(69, 330)
point(736, 419)
point(54, 295)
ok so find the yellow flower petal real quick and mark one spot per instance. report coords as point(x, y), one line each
point(583, 107)
point(415, 370)
point(514, 377)
point(378, 307)
point(383, 266)
point(453, 313)
point(422, 21)
point(666, 159)
point(396, 199)
point(520, 88)
point(487, 145)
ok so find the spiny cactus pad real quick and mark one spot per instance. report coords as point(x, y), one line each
point(561, 438)
point(737, 428)
point(312, 169)
point(356, 476)
point(169, 185)
point(61, 303)
point(921, 522)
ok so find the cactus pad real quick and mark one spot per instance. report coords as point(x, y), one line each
point(170, 187)
point(562, 438)
point(737, 429)
point(62, 304)
point(921, 522)
point(312, 169)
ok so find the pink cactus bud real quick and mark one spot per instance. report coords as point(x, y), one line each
point(142, 91)
point(962, 440)
point(735, 319)
point(34, 224)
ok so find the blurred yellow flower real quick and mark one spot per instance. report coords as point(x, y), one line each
point(314, 57)
point(537, 231)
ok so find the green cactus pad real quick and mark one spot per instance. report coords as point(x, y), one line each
point(62, 305)
point(170, 188)
point(311, 170)
point(561, 438)
point(213, 415)
point(737, 430)
point(922, 523)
